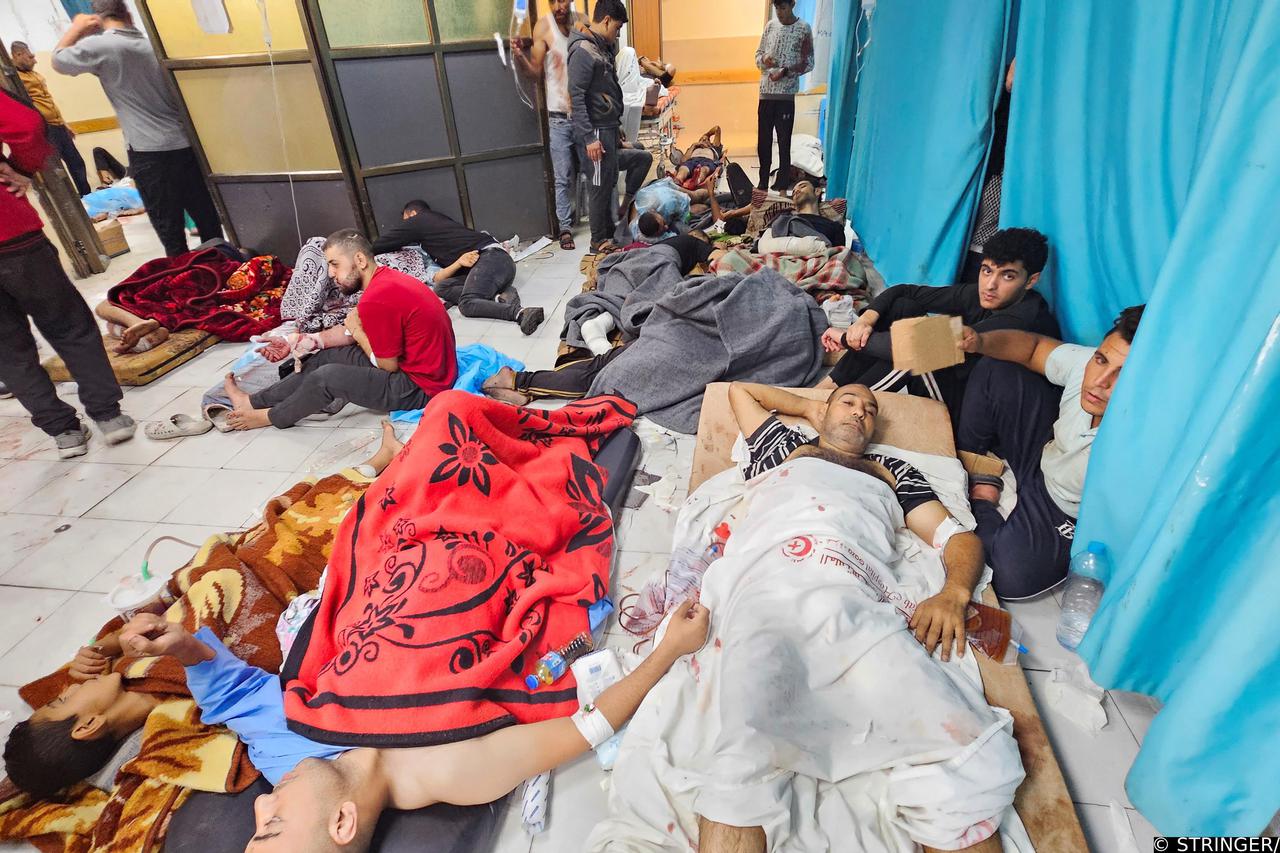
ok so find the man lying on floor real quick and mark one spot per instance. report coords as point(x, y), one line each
point(1012, 261)
point(329, 797)
point(478, 276)
point(806, 221)
point(572, 377)
point(401, 350)
point(818, 717)
point(1037, 403)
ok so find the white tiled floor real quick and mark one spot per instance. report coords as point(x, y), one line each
point(70, 529)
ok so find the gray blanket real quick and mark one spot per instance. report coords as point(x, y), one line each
point(757, 328)
point(628, 285)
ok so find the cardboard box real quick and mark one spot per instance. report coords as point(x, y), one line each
point(111, 234)
point(926, 344)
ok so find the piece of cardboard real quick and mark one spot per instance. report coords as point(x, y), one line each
point(112, 235)
point(926, 344)
point(986, 465)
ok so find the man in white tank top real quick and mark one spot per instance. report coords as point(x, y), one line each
point(548, 59)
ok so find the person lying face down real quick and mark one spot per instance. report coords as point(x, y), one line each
point(329, 798)
point(845, 422)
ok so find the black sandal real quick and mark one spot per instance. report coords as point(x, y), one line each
point(566, 241)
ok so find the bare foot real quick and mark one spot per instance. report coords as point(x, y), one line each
point(243, 415)
point(129, 337)
point(239, 399)
point(389, 450)
point(244, 419)
point(502, 386)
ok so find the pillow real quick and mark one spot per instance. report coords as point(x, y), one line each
point(801, 246)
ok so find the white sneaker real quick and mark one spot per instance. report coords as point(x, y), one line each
point(118, 429)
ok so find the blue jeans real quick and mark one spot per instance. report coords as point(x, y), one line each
point(564, 161)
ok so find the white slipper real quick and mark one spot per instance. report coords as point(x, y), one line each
point(178, 426)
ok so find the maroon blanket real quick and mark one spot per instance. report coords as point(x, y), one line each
point(206, 290)
point(476, 551)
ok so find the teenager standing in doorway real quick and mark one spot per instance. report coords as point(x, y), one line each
point(784, 56)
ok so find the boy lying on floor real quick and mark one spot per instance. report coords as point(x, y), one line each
point(814, 719)
point(236, 586)
point(329, 797)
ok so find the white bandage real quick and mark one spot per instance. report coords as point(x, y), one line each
point(948, 528)
point(592, 725)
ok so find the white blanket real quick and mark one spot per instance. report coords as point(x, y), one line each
point(812, 711)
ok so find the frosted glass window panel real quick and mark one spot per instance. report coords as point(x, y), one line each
point(465, 20)
point(182, 37)
point(262, 212)
point(393, 104)
point(487, 108)
point(369, 23)
point(234, 113)
point(509, 197)
point(388, 194)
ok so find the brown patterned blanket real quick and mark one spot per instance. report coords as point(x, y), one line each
point(237, 585)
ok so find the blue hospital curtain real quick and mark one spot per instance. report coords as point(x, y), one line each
point(1145, 141)
point(925, 100)
point(842, 104)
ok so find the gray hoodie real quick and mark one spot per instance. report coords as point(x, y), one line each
point(593, 85)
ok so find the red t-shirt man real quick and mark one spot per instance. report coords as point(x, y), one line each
point(405, 320)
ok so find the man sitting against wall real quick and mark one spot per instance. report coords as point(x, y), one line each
point(1003, 298)
point(401, 350)
point(1038, 403)
point(478, 273)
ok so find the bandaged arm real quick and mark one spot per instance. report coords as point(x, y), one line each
point(961, 549)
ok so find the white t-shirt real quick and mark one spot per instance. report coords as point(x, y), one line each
point(1066, 457)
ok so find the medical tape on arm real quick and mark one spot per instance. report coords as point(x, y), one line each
point(948, 528)
point(592, 725)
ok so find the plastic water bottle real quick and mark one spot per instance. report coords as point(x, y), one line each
point(1082, 593)
point(552, 666)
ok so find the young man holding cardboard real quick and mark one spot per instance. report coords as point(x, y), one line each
point(1003, 298)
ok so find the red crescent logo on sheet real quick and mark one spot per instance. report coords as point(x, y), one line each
point(798, 548)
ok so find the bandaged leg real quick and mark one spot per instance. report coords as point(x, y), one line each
point(596, 333)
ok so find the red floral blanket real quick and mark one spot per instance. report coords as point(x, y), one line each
point(207, 290)
point(476, 551)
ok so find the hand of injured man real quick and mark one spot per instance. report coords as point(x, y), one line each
point(149, 635)
point(940, 621)
point(687, 630)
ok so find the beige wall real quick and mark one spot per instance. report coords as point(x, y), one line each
point(710, 37)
